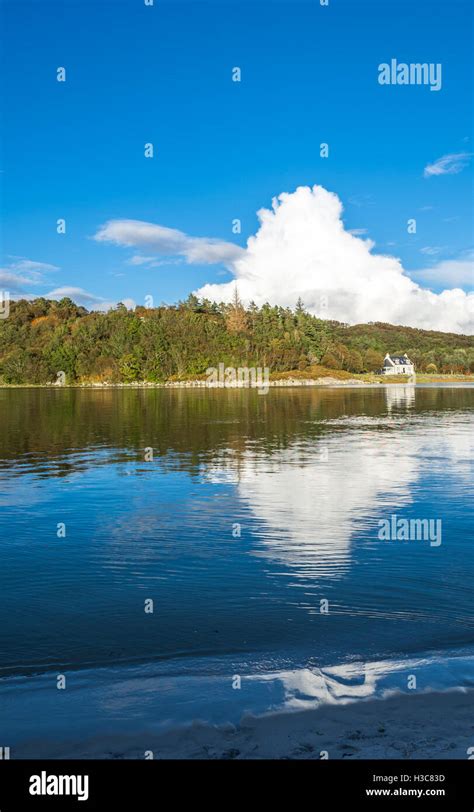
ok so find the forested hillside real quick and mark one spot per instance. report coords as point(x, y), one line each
point(41, 338)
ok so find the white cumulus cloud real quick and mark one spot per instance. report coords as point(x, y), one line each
point(303, 249)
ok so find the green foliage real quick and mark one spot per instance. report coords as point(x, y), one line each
point(41, 338)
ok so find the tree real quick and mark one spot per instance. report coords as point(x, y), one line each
point(330, 361)
point(129, 368)
point(192, 302)
point(373, 360)
point(236, 318)
point(354, 361)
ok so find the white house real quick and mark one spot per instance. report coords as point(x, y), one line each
point(397, 365)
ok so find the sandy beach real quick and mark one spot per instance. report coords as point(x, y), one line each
point(341, 713)
point(425, 726)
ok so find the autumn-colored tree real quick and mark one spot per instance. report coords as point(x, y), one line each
point(354, 362)
point(330, 361)
point(236, 317)
point(373, 360)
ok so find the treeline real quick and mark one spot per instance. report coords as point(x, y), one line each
point(41, 338)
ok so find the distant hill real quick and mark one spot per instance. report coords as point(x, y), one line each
point(41, 338)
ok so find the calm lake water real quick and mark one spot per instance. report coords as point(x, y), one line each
point(253, 511)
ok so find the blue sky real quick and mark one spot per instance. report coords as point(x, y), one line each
point(224, 149)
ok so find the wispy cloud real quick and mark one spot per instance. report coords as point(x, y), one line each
point(450, 164)
point(22, 272)
point(79, 295)
point(17, 285)
point(431, 250)
point(362, 200)
point(454, 273)
point(14, 282)
point(25, 265)
point(137, 259)
point(85, 298)
point(358, 232)
point(153, 262)
point(167, 242)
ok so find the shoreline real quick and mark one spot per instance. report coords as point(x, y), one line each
point(430, 725)
point(272, 384)
point(353, 710)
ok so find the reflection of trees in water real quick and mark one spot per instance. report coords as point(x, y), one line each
point(76, 429)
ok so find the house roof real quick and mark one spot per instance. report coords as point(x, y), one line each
point(396, 359)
